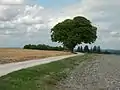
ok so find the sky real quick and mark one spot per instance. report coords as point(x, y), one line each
point(56, 3)
point(29, 21)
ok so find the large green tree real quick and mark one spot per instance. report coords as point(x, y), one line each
point(74, 31)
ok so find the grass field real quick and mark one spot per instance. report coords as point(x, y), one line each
point(42, 77)
point(16, 55)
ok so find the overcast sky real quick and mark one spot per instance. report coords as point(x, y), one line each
point(29, 21)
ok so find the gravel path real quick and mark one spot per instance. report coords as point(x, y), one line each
point(11, 67)
point(100, 74)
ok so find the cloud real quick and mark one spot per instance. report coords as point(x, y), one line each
point(105, 15)
point(11, 2)
point(9, 12)
point(115, 34)
point(31, 23)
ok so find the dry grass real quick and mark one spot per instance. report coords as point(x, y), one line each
point(17, 55)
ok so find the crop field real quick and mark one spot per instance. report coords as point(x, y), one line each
point(8, 55)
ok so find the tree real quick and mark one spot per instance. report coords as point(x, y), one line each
point(98, 49)
point(94, 49)
point(86, 48)
point(74, 31)
point(91, 49)
point(27, 46)
point(78, 49)
point(43, 47)
point(81, 49)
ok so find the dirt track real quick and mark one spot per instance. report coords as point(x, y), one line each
point(11, 67)
point(100, 74)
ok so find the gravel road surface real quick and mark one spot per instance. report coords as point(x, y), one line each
point(11, 67)
point(100, 74)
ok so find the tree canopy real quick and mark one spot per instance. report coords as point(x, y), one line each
point(74, 31)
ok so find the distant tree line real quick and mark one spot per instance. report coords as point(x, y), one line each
point(85, 49)
point(94, 49)
point(43, 47)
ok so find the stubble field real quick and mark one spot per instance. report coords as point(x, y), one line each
point(8, 55)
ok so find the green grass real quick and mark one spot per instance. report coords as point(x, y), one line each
point(42, 77)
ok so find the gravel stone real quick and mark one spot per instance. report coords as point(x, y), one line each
point(100, 74)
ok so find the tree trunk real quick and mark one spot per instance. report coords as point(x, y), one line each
point(70, 46)
point(72, 49)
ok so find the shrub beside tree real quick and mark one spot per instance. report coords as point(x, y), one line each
point(43, 47)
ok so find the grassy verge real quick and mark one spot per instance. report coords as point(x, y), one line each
point(42, 77)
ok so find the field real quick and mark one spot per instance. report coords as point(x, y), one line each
point(8, 55)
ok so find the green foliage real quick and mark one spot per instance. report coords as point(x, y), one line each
point(86, 48)
point(71, 32)
point(43, 47)
point(91, 50)
point(81, 49)
point(95, 49)
point(98, 49)
point(78, 49)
